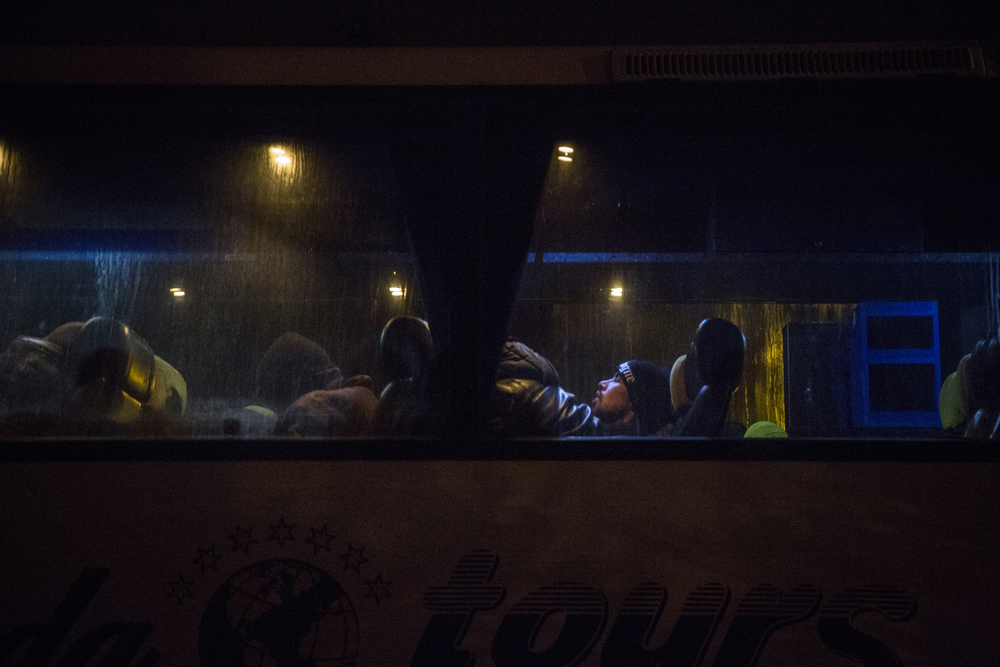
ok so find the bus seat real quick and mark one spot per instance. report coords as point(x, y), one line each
point(714, 365)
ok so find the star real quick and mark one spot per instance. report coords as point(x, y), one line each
point(354, 559)
point(320, 539)
point(281, 532)
point(207, 559)
point(378, 589)
point(180, 589)
point(243, 539)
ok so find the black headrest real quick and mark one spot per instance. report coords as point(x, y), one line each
point(712, 370)
point(405, 347)
point(715, 357)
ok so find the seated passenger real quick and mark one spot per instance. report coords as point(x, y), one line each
point(301, 392)
point(635, 401)
point(346, 409)
point(292, 366)
point(530, 402)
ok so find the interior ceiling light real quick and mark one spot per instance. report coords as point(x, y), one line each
point(565, 150)
point(616, 291)
point(280, 156)
point(396, 291)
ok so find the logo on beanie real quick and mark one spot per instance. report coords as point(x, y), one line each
point(626, 372)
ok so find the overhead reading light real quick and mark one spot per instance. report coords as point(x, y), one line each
point(565, 150)
point(177, 291)
point(616, 291)
point(396, 291)
point(280, 157)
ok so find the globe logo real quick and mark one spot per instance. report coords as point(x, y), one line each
point(280, 613)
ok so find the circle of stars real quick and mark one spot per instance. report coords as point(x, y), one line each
point(282, 532)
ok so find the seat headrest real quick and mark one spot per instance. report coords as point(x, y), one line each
point(715, 357)
point(405, 347)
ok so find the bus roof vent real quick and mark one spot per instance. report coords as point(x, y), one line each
point(826, 61)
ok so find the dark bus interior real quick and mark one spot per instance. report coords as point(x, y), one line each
point(847, 223)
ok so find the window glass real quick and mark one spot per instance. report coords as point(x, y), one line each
point(173, 257)
point(807, 258)
point(843, 228)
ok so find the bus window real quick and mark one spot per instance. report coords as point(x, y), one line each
point(846, 236)
point(191, 262)
point(815, 257)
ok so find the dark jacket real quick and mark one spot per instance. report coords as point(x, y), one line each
point(529, 402)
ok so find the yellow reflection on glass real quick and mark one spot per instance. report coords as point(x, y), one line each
point(761, 395)
point(280, 156)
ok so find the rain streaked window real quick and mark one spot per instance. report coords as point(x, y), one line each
point(688, 261)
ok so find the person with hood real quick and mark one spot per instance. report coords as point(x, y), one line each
point(301, 392)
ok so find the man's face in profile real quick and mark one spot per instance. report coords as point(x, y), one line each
point(611, 402)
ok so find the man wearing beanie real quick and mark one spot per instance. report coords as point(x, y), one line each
point(530, 403)
point(634, 401)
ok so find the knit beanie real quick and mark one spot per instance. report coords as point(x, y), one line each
point(649, 392)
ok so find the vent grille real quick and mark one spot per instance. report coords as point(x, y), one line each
point(813, 61)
